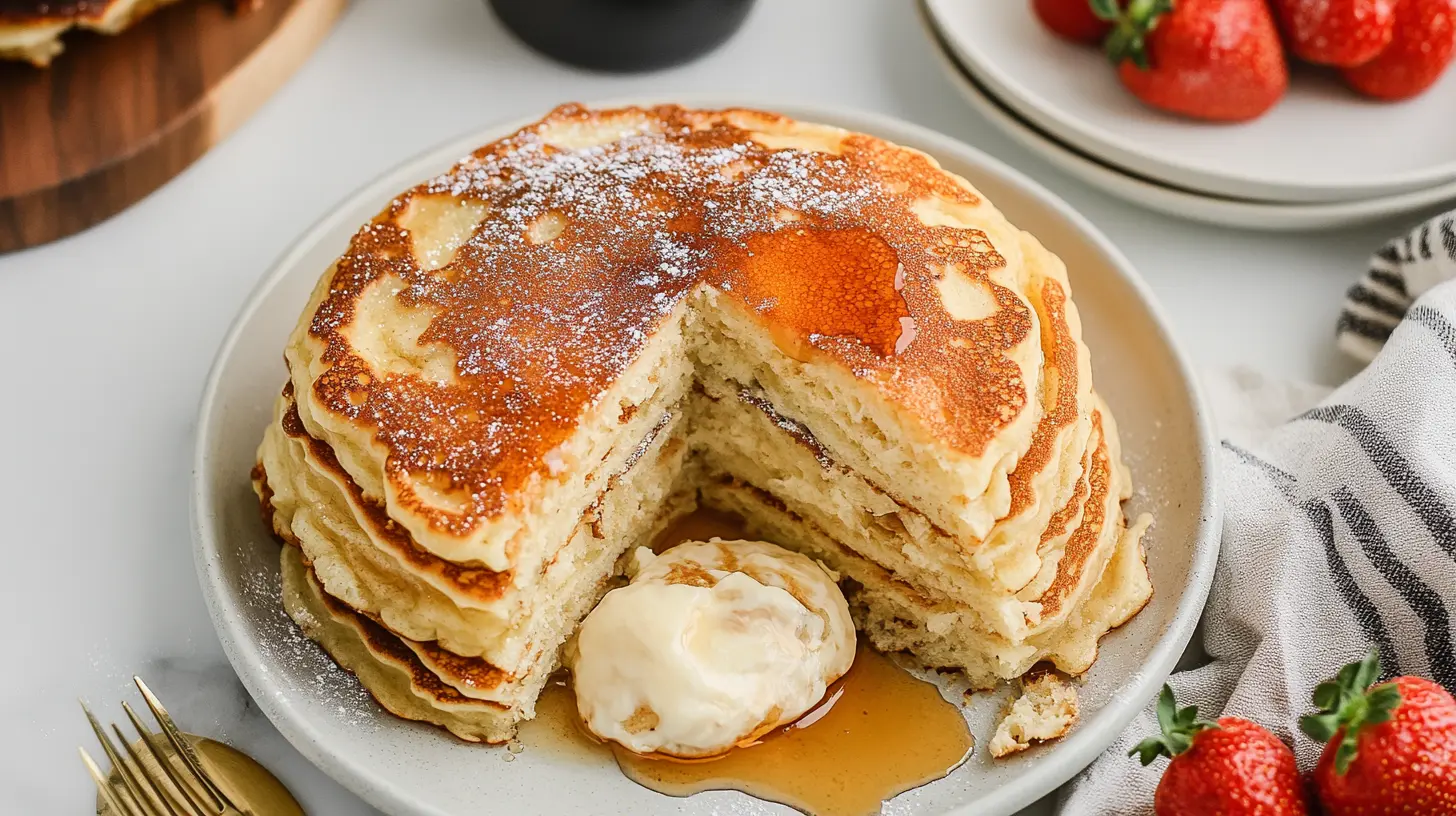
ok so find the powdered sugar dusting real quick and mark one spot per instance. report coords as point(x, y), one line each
point(311, 674)
point(639, 208)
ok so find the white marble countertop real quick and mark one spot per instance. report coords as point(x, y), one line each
point(109, 333)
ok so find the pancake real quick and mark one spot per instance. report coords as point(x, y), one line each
point(31, 30)
point(527, 365)
point(365, 559)
point(689, 212)
point(1045, 709)
point(394, 675)
point(946, 631)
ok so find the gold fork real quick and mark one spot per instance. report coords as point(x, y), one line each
point(177, 774)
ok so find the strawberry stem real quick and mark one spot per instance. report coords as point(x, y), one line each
point(1179, 727)
point(1350, 703)
point(1131, 28)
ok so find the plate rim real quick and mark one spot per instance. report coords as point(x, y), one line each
point(1071, 755)
point(1151, 194)
point(1105, 145)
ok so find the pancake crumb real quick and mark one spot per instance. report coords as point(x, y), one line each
point(1045, 710)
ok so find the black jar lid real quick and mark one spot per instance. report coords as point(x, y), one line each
point(622, 35)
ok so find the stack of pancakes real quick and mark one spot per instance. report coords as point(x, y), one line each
point(529, 365)
point(31, 30)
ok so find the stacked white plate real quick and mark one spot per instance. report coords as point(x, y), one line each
point(1324, 157)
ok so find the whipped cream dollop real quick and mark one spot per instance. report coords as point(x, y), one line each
point(711, 645)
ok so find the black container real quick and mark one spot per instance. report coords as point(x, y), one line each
point(623, 35)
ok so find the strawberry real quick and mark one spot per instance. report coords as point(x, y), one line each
point(1391, 748)
point(1072, 20)
point(1420, 50)
point(1343, 33)
point(1208, 59)
point(1229, 768)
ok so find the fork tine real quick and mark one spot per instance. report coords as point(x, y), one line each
point(156, 798)
point(219, 799)
point(127, 780)
point(104, 788)
point(189, 801)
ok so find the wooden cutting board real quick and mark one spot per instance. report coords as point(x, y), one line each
point(115, 117)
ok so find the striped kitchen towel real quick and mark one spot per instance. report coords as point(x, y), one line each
point(1400, 273)
point(1339, 535)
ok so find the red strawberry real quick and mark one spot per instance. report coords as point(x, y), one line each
point(1229, 768)
point(1072, 20)
point(1391, 748)
point(1425, 39)
point(1208, 59)
point(1343, 33)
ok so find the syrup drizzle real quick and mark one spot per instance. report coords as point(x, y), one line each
point(581, 254)
point(847, 284)
point(701, 525)
point(879, 731)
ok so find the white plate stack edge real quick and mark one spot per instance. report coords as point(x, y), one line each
point(1323, 158)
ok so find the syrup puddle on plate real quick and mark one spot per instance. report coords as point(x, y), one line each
point(879, 732)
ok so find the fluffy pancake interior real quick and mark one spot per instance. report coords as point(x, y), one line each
point(726, 443)
point(372, 568)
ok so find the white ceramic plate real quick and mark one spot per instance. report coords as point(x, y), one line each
point(1321, 143)
point(406, 768)
point(1228, 212)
